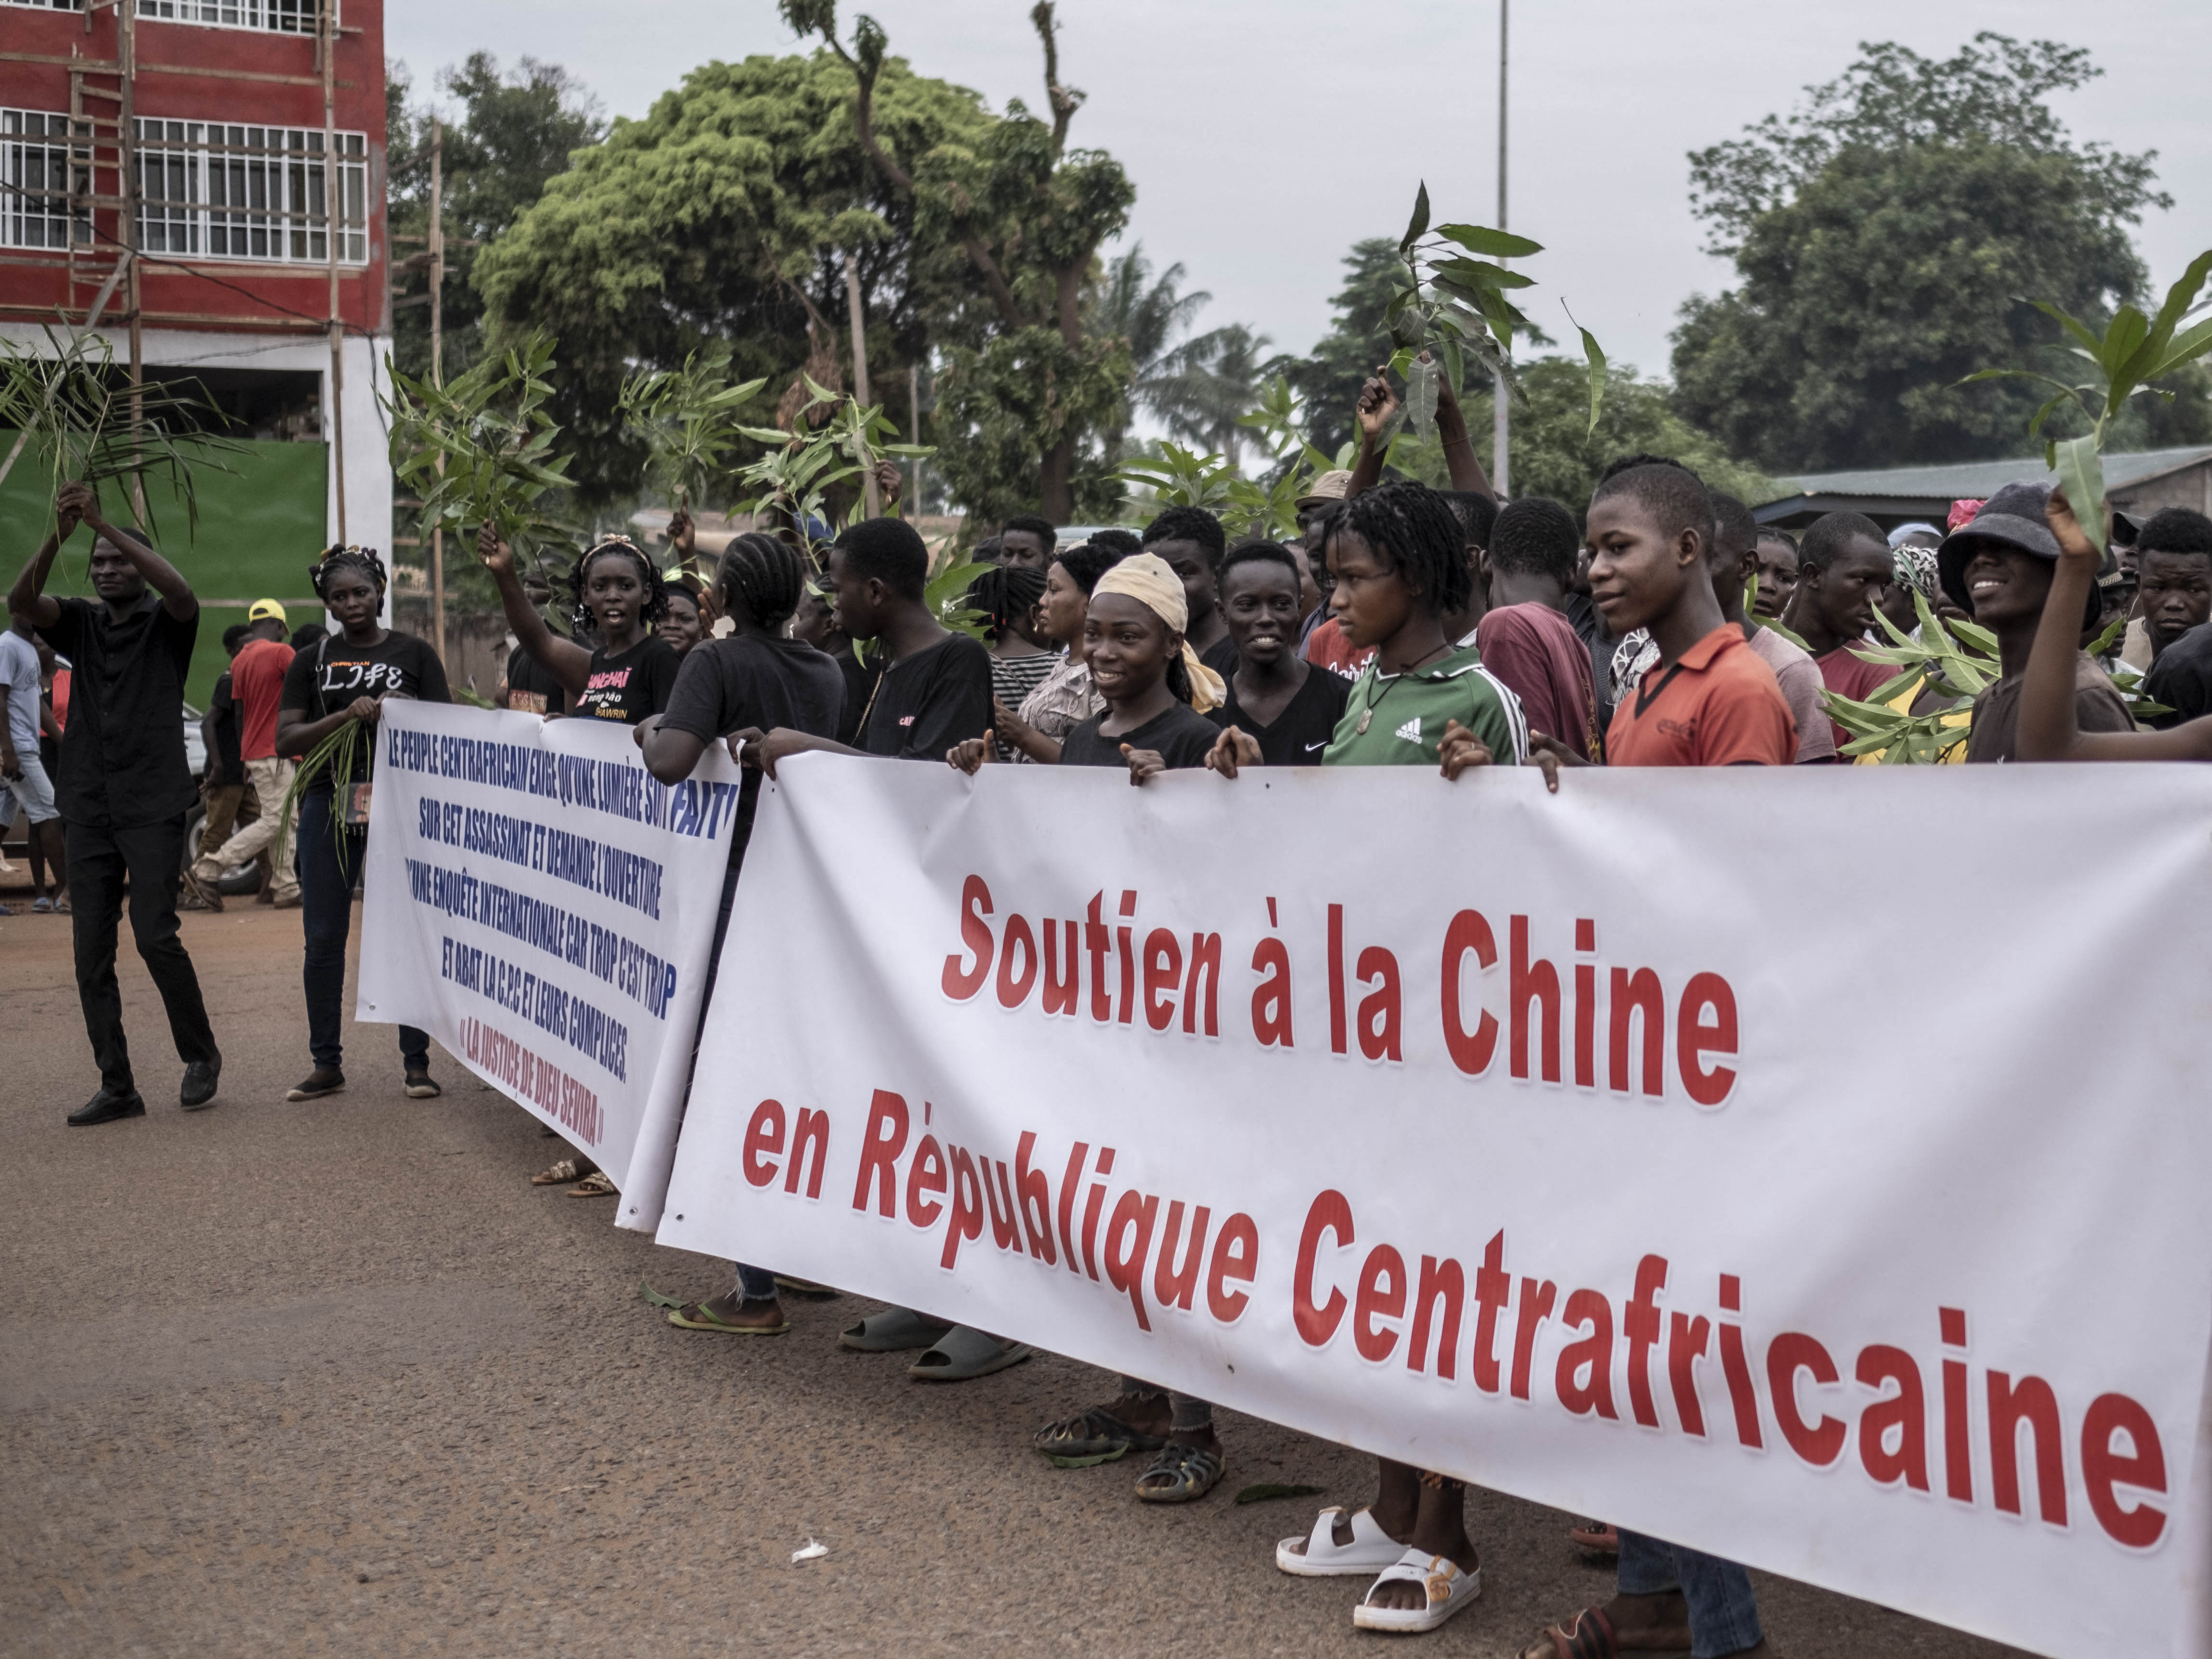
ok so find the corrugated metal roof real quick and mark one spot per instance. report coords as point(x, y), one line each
point(1967, 480)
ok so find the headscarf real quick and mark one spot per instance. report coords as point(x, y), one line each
point(1916, 567)
point(1145, 577)
point(1917, 527)
point(1962, 514)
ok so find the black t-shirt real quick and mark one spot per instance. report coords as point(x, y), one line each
point(633, 686)
point(726, 685)
point(931, 700)
point(1182, 736)
point(222, 711)
point(323, 680)
point(1302, 730)
point(123, 755)
point(860, 679)
point(2181, 679)
point(1221, 656)
point(530, 687)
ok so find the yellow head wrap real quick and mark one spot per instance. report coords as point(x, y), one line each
point(1145, 577)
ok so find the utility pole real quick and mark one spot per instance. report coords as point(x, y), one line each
point(126, 41)
point(1501, 421)
point(869, 496)
point(326, 35)
point(438, 365)
point(914, 423)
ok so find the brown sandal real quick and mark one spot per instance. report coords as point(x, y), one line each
point(565, 1170)
point(594, 1185)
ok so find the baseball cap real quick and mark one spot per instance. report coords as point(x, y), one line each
point(2012, 518)
point(267, 608)
point(1329, 487)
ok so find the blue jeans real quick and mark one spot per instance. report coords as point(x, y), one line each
point(328, 862)
point(754, 1283)
point(1723, 1611)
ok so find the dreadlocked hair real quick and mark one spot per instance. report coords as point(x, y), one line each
point(335, 559)
point(1413, 529)
point(656, 591)
point(763, 577)
point(1005, 595)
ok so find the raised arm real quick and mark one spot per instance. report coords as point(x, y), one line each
point(1460, 458)
point(164, 578)
point(28, 597)
point(1377, 404)
point(566, 660)
point(2050, 727)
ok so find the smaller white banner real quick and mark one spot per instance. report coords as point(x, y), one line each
point(542, 905)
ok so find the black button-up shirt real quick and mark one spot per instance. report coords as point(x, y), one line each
point(123, 751)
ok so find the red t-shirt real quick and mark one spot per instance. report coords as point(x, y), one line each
point(1719, 705)
point(1326, 647)
point(1850, 676)
point(1536, 652)
point(257, 683)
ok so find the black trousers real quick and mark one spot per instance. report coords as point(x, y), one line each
point(151, 855)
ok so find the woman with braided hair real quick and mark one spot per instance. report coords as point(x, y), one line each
point(751, 680)
point(628, 674)
point(345, 676)
point(1008, 595)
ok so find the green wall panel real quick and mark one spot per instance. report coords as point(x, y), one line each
point(260, 526)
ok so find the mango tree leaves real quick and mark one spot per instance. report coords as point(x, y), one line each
point(1498, 244)
point(1419, 227)
point(1421, 395)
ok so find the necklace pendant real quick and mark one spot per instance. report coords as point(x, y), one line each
point(1366, 719)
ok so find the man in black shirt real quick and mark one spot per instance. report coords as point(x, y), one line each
point(1287, 703)
point(934, 692)
point(1190, 540)
point(123, 789)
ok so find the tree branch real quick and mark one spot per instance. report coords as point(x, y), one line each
point(1009, 308)
point(1064, 100)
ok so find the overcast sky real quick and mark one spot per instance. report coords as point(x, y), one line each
point(1263, 139)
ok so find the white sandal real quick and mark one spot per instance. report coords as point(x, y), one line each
point(1449, 1589)
point(1371, 1549)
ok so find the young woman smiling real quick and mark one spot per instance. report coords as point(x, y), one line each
point(1065, 696)
point(345, 676)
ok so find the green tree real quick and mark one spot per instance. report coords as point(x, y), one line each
point(1328, 378)
point(1886, 237)
point(1026, 394)
point(727, 213)
point(517, 131)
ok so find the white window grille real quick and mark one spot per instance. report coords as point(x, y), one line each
point(277, 16)
point(39, 169)
point(218, 190)
point(47, 5)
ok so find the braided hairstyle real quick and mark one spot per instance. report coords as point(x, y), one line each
point(763, 577)
point(655, 605)
point(335, 559)
point(1005, 595)
point(1413, 530)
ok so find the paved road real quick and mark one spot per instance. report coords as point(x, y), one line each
point(334, 1379)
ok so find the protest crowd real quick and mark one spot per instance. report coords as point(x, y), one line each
point(1656, 625)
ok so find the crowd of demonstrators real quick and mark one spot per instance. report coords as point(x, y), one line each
point(1406, 627)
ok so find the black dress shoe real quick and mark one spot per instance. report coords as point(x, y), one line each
point(198, 1090)
point(106, 1107)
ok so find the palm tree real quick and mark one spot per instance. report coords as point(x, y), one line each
point(1196, 383)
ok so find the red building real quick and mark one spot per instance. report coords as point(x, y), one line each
point(206, 179)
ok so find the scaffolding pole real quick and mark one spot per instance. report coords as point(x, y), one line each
point(438, 363)
point(334, 418)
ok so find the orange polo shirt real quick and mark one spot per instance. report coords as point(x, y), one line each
point(1719, 705)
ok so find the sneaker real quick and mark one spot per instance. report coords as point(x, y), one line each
point(205, 891)
point(420, 1086)
point(287, 900)
point(42, 907)
point(323, 1081)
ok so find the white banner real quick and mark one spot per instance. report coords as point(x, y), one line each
point(543, 907)
point(1808, 1166)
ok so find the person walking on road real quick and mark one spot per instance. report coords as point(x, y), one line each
point(123, 790)
point(22, 715)
point(257, 686)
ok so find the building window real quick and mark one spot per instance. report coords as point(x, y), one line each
point(47, 5)
point(211, 190)
point(278, 17)
point(40, 170)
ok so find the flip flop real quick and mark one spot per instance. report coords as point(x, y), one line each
point(1371, 1549)
point(1449, 1589)
point(594, 1185)
point(1598, 1537)
point(893, 1332)
point(698, 1316)
point(1096, 1434)
point(1180, 1474)
point(963, 1354)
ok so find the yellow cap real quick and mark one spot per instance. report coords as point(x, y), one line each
point(263, 608)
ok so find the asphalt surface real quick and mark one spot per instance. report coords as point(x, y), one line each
point(334, 1378)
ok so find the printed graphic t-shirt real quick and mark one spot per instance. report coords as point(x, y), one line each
point(324, 680)
point(632, 687)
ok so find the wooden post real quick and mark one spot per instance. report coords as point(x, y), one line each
point(1501, 424)
point(869, 496)
point(438, 365)
point(126, 151)
point(913, 424)
point(334, 416)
